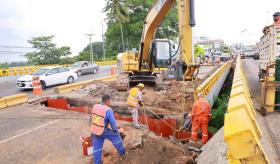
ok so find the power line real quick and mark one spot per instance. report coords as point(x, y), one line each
point(15, 51)
point(7, 46)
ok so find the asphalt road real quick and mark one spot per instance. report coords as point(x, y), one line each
point(251, 68)
point(8, 84)
point(270, 139)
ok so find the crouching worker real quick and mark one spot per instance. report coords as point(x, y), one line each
point(104, 126)
point(201, 114)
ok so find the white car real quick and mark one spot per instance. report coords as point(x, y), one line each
point(48, 76)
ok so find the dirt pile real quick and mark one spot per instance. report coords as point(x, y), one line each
point(145, 147)
point(171, 97)
point(167, 101)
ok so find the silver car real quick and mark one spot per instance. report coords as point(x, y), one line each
point(85, 67)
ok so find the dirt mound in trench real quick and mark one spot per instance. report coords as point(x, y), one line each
point(146, 147)
point(168, 99)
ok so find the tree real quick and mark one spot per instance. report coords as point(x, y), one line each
point(117, 11)
point(132, 32)
point(198, 50)
point(46, 52)
point(67, 60)
point(4, 65)
point(97, 50)
point(227, 49)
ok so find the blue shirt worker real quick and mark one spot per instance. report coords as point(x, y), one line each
point(104, 126)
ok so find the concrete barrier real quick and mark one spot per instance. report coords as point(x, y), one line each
point(16, 99)
point(213, 84)
point(2, 103)
point(241, 130)
point(24, 70)
point(71, 87)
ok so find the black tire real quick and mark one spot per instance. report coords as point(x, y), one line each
point(79, 73)
point(43, 84)
point(70, 80)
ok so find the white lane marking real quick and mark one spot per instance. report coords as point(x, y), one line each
point(26, 132)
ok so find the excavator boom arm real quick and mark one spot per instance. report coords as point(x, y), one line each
point(153, 19)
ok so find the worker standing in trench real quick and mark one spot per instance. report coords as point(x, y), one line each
point(134, 102)
point(104, 126)
point(201, 114)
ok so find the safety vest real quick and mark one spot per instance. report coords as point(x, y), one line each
point(132, 100)
point(97, 119)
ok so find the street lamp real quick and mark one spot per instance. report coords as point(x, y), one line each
point(103, 49)
point(90, 44)
point(241, 42)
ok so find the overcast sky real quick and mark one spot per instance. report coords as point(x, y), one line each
point(70, 20)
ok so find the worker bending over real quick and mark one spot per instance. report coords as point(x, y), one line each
point(201, 114)
point(104, 126)
point(134, 102)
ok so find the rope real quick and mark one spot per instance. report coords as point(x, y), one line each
point(183, 95)
point(175, 130)
point(146, 118)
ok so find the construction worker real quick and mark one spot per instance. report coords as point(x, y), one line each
point(104, 126)
point(201, 114)
point(134, 102)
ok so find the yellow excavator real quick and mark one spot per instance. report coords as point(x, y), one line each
point(144, 66)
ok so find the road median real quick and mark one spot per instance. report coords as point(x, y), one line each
point(13, 100)
point(70, 87)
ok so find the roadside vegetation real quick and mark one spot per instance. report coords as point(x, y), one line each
point(220, 106)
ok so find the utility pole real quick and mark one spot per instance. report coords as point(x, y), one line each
point(90, 44)
point(103, 41)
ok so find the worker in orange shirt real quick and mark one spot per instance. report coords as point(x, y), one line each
point(201, 114)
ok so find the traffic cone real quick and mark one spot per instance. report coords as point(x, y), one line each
point(37, 88)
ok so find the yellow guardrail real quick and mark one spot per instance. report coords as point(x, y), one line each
point(13, 100)
point(208, 84)
point(107, 62)
point(31, 69)
point(70, 87)
point(241, 130)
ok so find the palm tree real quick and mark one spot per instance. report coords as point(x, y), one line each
point(117, 10)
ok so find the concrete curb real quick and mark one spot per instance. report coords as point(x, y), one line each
point(13, 100)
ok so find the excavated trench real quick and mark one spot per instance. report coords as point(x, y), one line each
point(162, 123)
point(163, 127)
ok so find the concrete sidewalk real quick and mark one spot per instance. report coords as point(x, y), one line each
point(36, 134)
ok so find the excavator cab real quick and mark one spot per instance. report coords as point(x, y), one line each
point(161, 53)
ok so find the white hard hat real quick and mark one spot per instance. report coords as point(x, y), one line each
point(141, 85)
